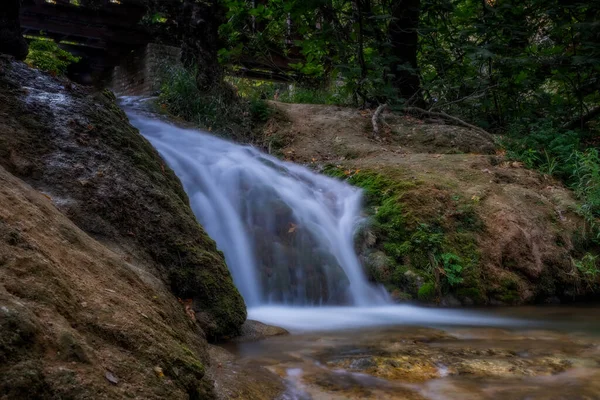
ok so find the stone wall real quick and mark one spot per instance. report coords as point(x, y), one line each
point(138, 73)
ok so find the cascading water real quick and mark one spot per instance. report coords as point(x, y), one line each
point(286, 232)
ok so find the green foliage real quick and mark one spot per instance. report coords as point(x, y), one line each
point(451, 264)
point(426, 247)
point(341, 42)
point(512, 61)
point(46, 55)
point(495, 64)
point(586, 183)
point(219, 109)
point(426, 292)
point(287, 93)
point(588, 267)
point(544, 147)
point(558, 153)
point(259, 110)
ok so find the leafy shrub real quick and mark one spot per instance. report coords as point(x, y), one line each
point(543, 147)
point(451, 263)
point(44, 54)
point(588, 267)
point(259, 109)
point(586, 178)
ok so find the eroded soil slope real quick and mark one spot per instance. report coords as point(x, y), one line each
point(436, 191)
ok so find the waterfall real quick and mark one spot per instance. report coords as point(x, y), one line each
point(287, 233)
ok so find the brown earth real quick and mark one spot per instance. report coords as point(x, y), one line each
point(526, 229)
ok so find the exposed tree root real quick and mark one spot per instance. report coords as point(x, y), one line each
point(443, 115)
point(375, 120)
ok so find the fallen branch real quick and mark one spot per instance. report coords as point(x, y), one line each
point(375, 120)
point(475, 95)
point(441, 114)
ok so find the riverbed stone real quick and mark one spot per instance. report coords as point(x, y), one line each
point(254, 330)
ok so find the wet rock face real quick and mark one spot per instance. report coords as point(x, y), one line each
point(11, 40)
point(78, 147)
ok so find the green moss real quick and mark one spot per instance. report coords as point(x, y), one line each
point(195, 268)
point(426, 292)
point(412, 229)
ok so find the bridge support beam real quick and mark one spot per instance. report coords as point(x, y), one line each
point(138, 74)
point(11, 39)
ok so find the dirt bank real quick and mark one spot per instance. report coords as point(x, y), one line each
point(444, 196)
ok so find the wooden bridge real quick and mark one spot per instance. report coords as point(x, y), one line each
point(106, 33)
point(101, 35)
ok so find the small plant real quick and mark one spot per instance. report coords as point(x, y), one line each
point(530, 158)
point(259, 109)
point(588, 267)
point(549, 165)
point(451, 263)
point(44, 54)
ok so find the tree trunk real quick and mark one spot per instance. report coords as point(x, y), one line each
point(199, 23)
point(404, 37)
point(11, 39)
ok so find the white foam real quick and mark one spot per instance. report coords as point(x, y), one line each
point(308, 319)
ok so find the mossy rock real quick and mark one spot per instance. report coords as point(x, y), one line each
point(113, 184)
point(411, 229)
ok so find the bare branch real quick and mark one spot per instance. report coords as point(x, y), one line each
point(443, 115)
point(474, 95)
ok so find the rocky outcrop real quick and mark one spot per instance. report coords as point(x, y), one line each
point(11, 39)
point(77, 147)
point(80, 321)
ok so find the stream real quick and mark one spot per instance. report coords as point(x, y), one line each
point(525, 353)
point(287, 235)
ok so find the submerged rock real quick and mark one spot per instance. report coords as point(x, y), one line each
point(255, 330)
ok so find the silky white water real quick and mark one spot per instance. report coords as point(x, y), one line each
point(287, 233)
point(304, 319)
